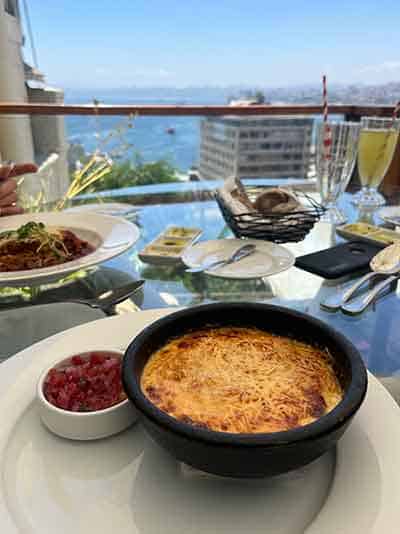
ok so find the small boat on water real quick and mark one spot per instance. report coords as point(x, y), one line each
point(170, 130)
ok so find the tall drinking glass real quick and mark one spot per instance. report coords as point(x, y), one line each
point(334, 172)
point(376, 146)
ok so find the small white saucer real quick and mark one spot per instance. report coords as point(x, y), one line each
point(268, 258)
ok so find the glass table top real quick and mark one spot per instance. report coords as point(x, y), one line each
point(374, 332)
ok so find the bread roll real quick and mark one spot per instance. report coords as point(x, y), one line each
point(276, 201)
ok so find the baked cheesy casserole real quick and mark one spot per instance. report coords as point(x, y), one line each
point(241, 380)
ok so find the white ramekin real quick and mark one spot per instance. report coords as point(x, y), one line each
point(84, 425)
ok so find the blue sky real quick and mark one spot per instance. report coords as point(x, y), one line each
point(120, 43)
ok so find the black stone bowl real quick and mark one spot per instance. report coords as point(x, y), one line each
point(246, 455)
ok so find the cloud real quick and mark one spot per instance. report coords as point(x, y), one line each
point(152, 72)
point(163, 73)
point(101, 70)
point(380, 68)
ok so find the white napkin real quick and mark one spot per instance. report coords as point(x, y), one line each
point(227, 193)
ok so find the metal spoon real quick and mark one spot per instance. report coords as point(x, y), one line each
point(105, 301)
point(238, 254)
point(112, 297)
point(358, 305)
point(386, 262)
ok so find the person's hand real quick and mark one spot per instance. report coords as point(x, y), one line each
point(8, 186)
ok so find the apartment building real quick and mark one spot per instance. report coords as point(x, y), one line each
point(255, 147)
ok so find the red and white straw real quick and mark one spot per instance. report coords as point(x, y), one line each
point(327, 139)
point(325, 98)
point(396, 111)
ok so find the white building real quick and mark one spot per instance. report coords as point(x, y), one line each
point(255, 147)
point(26, 138)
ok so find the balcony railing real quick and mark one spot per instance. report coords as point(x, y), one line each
point(350, 112)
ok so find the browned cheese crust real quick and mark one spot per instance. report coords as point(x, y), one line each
point(241, 380)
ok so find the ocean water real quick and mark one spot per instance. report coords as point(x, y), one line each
point(148, 135)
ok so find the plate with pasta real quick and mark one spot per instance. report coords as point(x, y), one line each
point(37, 248)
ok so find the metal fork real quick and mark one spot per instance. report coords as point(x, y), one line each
point(237, 255)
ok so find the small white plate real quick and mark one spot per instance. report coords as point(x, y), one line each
point(390, 214)
point(268, 258)
point(110, 236)
point(117, 209)
point(127, 483)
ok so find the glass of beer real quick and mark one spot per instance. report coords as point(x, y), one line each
point(335, 166)
point(376, 146)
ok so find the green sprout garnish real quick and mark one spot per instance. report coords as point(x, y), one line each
point(33, 231)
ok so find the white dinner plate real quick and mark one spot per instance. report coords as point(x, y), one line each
point(390, 214)
point(117, 209)
point(110, 236)
point(268, 258)
point(127, 483)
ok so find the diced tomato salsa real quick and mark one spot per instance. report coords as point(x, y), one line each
point(87, 383)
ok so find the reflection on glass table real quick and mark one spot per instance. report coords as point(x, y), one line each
point(373, 332)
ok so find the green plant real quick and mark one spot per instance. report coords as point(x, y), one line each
point(128, 174)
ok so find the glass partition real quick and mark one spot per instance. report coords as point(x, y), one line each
point(143, 160)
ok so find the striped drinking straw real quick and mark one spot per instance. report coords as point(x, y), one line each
point(396, 111)
point(327, 139)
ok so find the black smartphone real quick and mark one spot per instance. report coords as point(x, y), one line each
point(340, 260)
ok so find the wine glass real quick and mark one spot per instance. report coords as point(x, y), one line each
point(334, 165)
point(376, 146)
